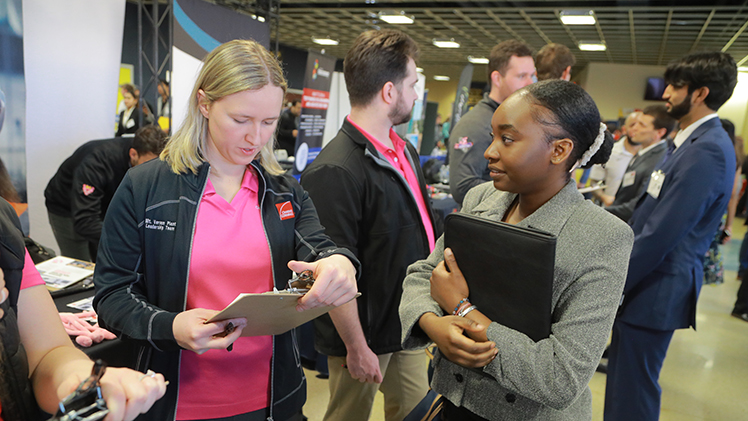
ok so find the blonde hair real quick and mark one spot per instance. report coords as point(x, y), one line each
point(235, 66)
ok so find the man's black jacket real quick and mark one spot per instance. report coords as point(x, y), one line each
point(85, 183)
point(366, 206)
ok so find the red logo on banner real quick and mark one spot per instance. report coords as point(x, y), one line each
point(315, 99)
point(285, 210)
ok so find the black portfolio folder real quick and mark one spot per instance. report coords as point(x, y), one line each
point(509, 271)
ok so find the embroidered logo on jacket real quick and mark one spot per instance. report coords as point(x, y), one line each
point(88, 189)
point(285, 210)
point(463, 144)
point(155, 224)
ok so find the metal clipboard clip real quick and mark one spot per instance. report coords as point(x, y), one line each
point(301, 283)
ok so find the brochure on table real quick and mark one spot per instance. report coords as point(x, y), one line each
point(61, 272)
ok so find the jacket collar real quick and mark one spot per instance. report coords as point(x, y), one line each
point(197, 181)
point(490, 102)
point(551, 217)
point(357, 137)
point(710, 124)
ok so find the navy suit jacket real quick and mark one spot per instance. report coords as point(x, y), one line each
point(673, 232)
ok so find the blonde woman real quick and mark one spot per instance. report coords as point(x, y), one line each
point(212, 218)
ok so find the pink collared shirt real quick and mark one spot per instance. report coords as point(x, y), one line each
point(31, 276)
point(397, 157)
point(230, 255)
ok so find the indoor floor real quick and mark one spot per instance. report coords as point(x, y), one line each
point(705, 375)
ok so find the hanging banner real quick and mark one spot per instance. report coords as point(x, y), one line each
point(314, 104)
point(463, 94)
point(13, 109)
point(199, 27)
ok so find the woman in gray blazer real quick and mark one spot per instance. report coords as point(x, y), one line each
point(540, 135)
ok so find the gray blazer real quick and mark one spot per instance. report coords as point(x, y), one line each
point(545, 380)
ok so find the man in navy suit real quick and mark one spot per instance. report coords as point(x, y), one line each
point(674, 222)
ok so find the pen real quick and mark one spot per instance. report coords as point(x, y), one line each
point(228, 330)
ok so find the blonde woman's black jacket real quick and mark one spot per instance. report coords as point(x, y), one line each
point(367, 207)
point(143, 266)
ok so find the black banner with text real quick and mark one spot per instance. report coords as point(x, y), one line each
point(314, 103)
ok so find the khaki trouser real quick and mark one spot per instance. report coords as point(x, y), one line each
point(405, 384)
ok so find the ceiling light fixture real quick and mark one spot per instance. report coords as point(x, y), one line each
point(478, 60)
point(419, 69)
point(325, 41)
point(743, 69)
point(441, 78)
point(592, 46)
point(445, 43)
point(577, 17)
point(396, 18)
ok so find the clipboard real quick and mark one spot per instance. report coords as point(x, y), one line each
point(508, 269)
point(270, 313)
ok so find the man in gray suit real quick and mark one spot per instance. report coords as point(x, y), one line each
point(649, 130)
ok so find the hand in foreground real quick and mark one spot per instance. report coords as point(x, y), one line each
point(448, 287)
point(128, 393)
point(85, 333)
point(363, 365)
point(191, 331)
point(334, 285)
point(447, 334)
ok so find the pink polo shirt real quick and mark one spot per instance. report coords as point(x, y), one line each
point(230, 255)
point(399, 160)
point(31, 276)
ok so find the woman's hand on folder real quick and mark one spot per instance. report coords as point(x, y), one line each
point(191, 331)
point(334, 282)
point(447, 332)
point(448, 286)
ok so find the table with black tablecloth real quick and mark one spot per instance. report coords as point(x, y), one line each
point(115, 352)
